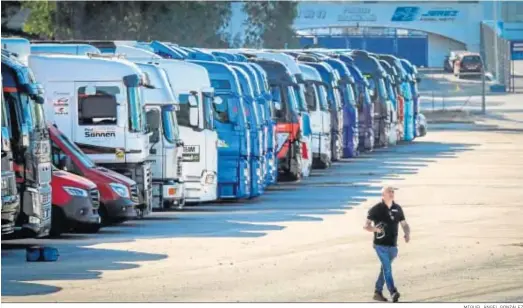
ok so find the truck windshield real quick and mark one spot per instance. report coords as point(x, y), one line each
point(310, 97)
point(300, 96)
point(76, 152)
point(221, 111)
point(183, 113)
point(208, 102)
point(382, 89)
point(348, 93)
point(390, 90)
point(322, 91)
point(33, 113)
point(291, 98)
point(405, 90)
point(169, 123)
point(278, 96)
point(137, 121)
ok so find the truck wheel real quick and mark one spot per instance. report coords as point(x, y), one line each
point(58, 222)
point(104, 216)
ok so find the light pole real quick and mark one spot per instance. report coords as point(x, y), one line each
point(496, 40)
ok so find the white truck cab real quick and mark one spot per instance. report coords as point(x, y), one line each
point(98, 103)
point(166, 145)
point(316, 96)
point(66, 49)
point(191, 85)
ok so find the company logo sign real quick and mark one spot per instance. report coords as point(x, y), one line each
point(357, 14)
point(413, 13)
point(440, 15)
point(405, 13)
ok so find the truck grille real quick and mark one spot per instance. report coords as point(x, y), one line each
point(95, 198)
point(148, 184)
point(179, 168)
point(8, 184)
point(134, 193)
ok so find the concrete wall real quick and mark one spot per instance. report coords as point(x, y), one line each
point(439, 47)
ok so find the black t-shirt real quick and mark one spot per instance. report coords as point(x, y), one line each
point(388, 220)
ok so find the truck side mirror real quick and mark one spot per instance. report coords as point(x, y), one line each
point(277, 105)
point(217, 100)
point(192, 101)
point(193, 116)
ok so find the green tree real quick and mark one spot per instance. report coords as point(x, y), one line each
point(269, 24)
point(193, 23)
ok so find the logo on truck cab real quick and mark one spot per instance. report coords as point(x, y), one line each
point(99, 133)
point(191, 153)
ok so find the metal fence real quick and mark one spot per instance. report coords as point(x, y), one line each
point(495, 52)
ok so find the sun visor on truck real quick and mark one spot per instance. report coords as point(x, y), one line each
point(98, 106)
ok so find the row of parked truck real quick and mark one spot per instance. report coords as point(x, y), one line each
point(98, 132)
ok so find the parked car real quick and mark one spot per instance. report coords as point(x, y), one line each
point(469, 64)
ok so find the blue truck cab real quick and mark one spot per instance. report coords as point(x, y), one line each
point(286, 115)
point(254, 125)
point(405, 106)
point(259, 103)
point(396, 100)
point(413, 81)
point(375, 74)
point(350, 111)
point(265, 101)
point(332, 79)
point(364, 105)
point(231, 123)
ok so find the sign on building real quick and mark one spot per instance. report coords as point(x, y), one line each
point(516, 50)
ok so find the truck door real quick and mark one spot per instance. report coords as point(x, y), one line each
point(156, 151)
point(102, 120)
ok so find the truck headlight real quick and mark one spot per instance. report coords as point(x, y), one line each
point(120, 189)
point(209, 179)
point(75, 192)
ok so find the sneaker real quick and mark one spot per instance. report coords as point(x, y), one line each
point(378, 296)
point(395, 297)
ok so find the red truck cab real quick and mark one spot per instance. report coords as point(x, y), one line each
point(118, 193)
point(75, 202)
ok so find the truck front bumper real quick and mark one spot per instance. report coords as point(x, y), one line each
point(170, 192)
point(10, 209)
point(80, 210)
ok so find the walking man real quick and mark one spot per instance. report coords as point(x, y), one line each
point(383, 220)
